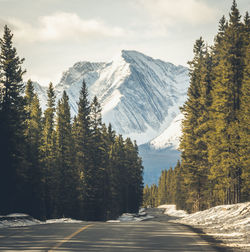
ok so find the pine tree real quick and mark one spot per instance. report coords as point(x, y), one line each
point(33, 134)
point(191, 142)
point(162, 188)
point(153, 195)
point(82, 138)
point(117, 183)
point(134, 183)
point(97, 181)
point(68, 175)
point(146, 196)
point(48, 157)
point(12, 124)
point(244, 115)
point(227, 83)
point(180, 192)
point(108, 136)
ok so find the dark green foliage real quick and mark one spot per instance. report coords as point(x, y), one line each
point(12, 124)
point(48, 157)
point(51, 167)
point(150, 196)
point(82, 138)
point(68, 175)
point(33, 134)
point(214, 165)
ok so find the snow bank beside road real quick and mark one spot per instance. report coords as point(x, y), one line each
point(17, 220)
point(62, 220)
point(229, 223)
point(127, 217)
point(171, 211)
point(21, 220)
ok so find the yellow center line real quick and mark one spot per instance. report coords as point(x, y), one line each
point(66, 239)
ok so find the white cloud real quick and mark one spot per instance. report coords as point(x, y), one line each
point(62, 26)
point(170, 12)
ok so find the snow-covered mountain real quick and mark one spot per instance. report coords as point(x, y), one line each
point(140, 96)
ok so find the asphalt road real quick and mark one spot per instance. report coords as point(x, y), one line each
point(153, 235)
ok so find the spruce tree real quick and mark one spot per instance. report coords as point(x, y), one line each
point(97, 170)
point(68, 175)
point(12, 125)
point(108, 138)
point(134, 183)
point(244, 115)
point(48, 156)
point(33, 134)
point(117, 183)
point(162, 188)
point(82, 141)
point(180, 192)
point(191, 142)
point(224, 147)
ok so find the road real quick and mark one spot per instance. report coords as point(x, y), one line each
point(153, 235)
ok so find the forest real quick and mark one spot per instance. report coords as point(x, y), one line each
point(56, 166)
point(215, 167)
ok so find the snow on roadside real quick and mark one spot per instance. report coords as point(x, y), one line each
point(17, 220)
point(128, 217)
point(62, 220)
point(171, 211)
point(21, 220)
point(229, 223)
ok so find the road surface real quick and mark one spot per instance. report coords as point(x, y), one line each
point(153, 235)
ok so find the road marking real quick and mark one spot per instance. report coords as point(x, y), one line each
point(66, 239)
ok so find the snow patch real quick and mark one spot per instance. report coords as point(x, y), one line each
point(112, 101)
point(229, 223)
point(62, 220)
point(171, 211)
point(133, 217)
point(17, 220)
point(171, 136)
point(22, 220)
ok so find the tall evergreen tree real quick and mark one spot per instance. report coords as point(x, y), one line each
point(48, 158)
point(134, 184)
point(117, 182)
point(33, 134)
point(12, 124)
point(68, 175)
point(227, 83)
point(82, 138)
point(108, 136)
point(180, 192)
point(162, 188)
point(191, 142)
point(244, 115)
point(97, 170)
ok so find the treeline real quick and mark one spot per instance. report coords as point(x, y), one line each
point(168, 191)
point(53, 166)
point(215, 150)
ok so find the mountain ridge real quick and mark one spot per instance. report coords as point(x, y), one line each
point(140, 96)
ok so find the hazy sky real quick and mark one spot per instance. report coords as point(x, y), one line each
point(54, 34)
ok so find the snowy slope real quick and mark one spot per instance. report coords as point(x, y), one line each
point(140, 96)
point(171, 136)
point(42, 94)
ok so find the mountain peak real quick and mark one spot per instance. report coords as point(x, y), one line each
point(140, 95)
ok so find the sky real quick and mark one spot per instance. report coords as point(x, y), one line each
point(52, 35)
